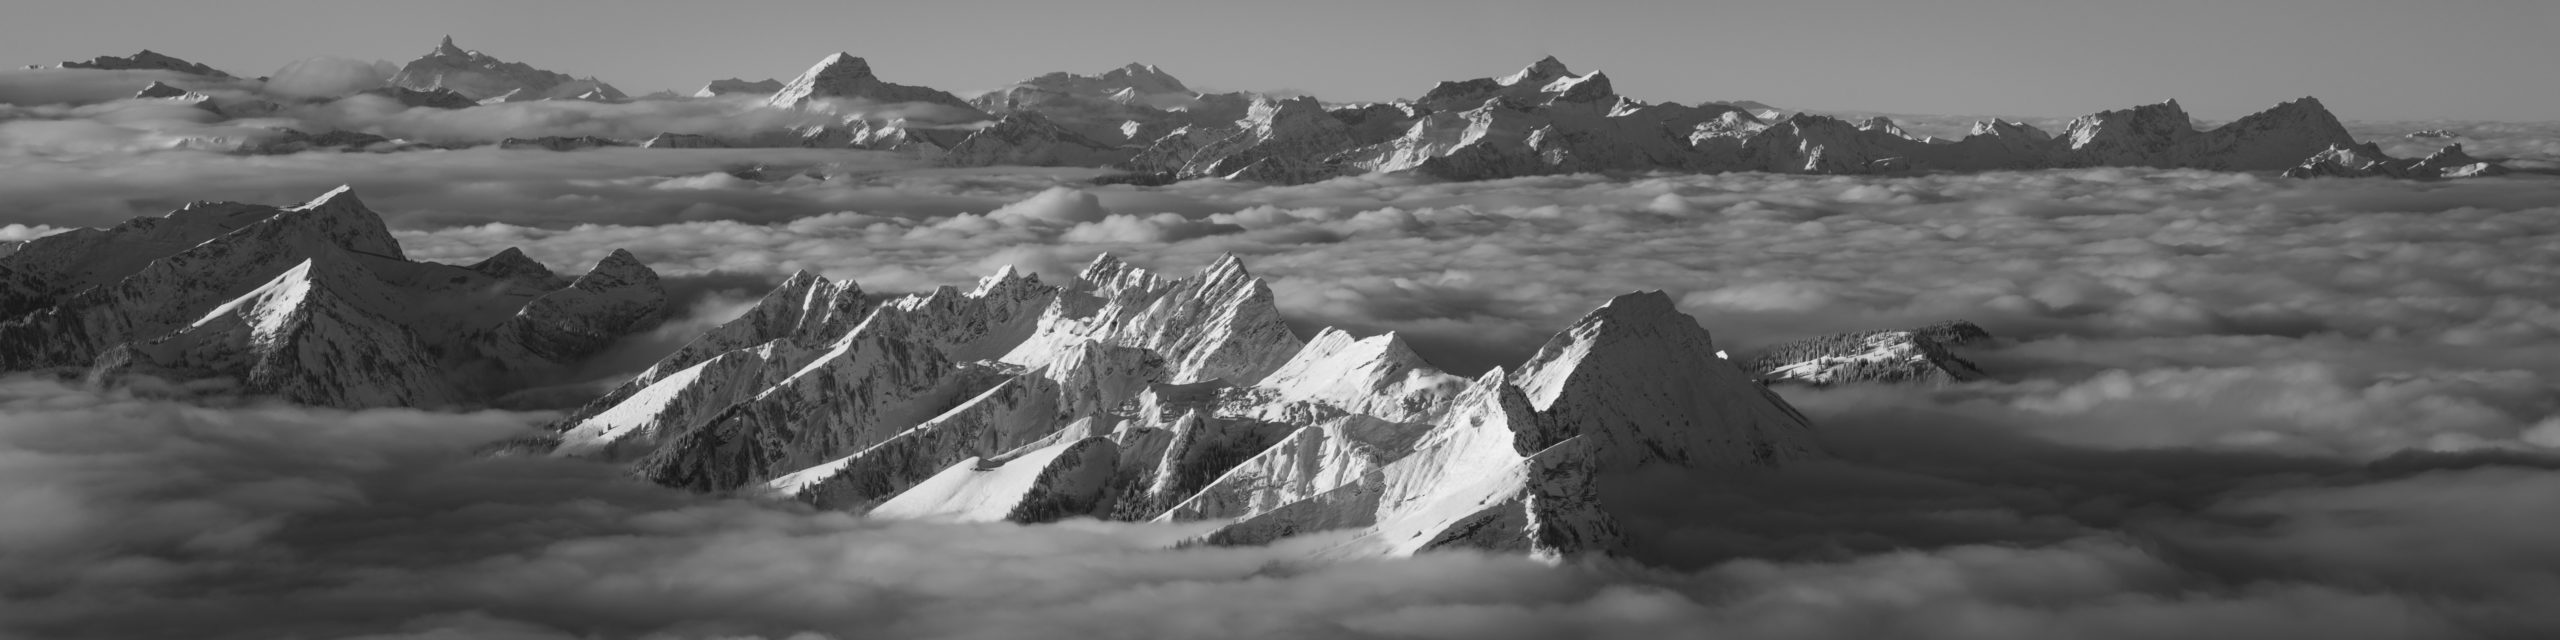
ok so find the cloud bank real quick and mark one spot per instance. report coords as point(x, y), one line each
point(141, 518)
point(2222, 405)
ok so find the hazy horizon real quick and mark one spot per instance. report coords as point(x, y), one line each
point(2371, 61)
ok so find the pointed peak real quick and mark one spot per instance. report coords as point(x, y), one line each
point(1006, 278)
point(339, 199)
point(846, 62)
point(1227, 265)
point(619, 267)
point(800, 279)
point(1103, 262)
point(509, 263)
point(446, 47)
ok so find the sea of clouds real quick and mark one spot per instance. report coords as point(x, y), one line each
point(2221, 405)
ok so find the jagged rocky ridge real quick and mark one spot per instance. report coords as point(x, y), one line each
point(1546, 119)
point(314, 303)
point(1127, 394)
point(1918, 355)
point(1543, 119)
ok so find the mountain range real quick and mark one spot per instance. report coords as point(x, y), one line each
point(1542, 119)
point(1128, 394)
point(313, 303)
point(1120, 393)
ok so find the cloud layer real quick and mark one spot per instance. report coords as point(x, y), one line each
point(2222, 405)
point(141, 518)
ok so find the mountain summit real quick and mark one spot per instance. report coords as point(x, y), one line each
point(314, 303)
point(488, 79)
point(1127, 394)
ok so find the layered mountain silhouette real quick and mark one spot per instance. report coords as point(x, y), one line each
point(313, 303)
point(1129, 394)
point(1542, 119)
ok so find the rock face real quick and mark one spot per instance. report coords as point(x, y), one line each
point(150, 60)
point(1127, 394)
point(1918, 355)
point(483, 78)
point(314, 303)
point(845, 77)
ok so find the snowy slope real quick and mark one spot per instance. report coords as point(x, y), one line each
point(185, 295)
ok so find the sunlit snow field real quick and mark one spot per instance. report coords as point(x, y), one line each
point(2223, 405)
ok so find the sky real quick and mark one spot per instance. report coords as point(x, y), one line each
point(2367, 59)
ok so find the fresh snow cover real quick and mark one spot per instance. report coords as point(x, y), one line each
point(1039, 486)
point(1130, 395)
point(315, 303)
point(1918, 355)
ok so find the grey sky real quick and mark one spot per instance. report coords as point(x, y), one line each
point(2367, 59)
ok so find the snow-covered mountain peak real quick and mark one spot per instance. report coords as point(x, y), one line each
point(343, 218)
point(1008, 282)
point(1107, 274)
point(845, 76)
point(341, 198)
point(312, 303)
point(1143, 79)
point(840, 66)
point(480, 76)
point(1643, 379)
point(1539, 73)
point(2160, 122)
point(1589, 87)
